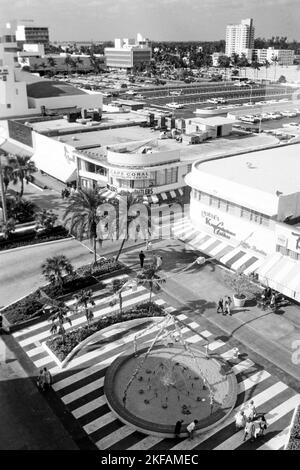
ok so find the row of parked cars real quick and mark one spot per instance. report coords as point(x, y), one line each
point(254, 118)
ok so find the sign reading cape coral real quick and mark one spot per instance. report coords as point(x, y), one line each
point(129, 174)
point(218, 226)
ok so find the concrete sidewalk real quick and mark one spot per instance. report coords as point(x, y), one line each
point(274, 336)
point(27, 421)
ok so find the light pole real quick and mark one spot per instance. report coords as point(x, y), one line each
point(4, 210)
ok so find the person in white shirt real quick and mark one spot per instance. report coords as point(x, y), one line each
point(240, 420)
point(191, 428)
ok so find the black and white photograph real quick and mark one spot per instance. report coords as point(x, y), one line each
point(149, 229)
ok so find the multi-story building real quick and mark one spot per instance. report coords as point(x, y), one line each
point(283, 56)
point(127, 53)
point(30, 34)
point(239, 37)
point(215, 58)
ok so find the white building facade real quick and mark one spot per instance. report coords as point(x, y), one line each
point(239, 37)
point(127, 53)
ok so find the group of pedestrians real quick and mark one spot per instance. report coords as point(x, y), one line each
point(190, 428)
point(254, 425)
point(44, 380)
point(68, 191)
point(224, 305)
point(157, 259)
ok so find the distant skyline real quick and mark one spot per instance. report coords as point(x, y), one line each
point(85, 20)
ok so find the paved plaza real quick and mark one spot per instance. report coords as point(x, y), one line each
point(80, 385)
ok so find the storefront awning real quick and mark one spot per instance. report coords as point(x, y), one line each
point(235, 257)
point(11, 148)
point(56, 166)
point(281, 273)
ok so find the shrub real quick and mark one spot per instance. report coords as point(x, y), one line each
point(73, 338)
point(24, 309)
point(294, 438)
point(101, 268)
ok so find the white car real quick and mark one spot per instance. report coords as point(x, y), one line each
point(213, 100)
point(265, 117)
point(275, 116)
point(288, 114)
point(291, 124)
point(175, 105)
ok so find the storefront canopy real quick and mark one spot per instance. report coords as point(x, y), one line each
point(281, 273)
point(56, 166)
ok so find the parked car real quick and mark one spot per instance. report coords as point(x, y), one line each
point(288, 114)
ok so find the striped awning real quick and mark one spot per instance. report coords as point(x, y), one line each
point(235, 257)
point(281, 273)
point(169, 195)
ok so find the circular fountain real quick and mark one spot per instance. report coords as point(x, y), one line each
point(153, 388)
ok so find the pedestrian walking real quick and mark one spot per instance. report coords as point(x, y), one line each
point(178, 428)
point(240, 420)
point(47, 378)
point(228, 302)
point(262, 423)
point(67, 193)
point(148, 245)
point(191, 428)
point(220, 305)
point(252, 413)
point(142, 258)
point(63, 194)
point(158, 262)
point(249, 430)
point(41, 381)
point(273, 301)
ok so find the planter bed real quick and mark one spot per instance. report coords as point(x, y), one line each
point(74, 337)
point(293, 442)
point(25, 309)
point(31, 238)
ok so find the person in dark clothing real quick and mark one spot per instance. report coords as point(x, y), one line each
point(220, 306)
point(178, 428)
point(142, 258)
point(63, 194)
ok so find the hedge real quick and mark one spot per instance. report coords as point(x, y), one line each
point(32, 238)
point(23, 309)
point(73, 338)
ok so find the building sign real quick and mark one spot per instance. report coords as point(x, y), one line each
point(288, 238)
point(213, 221)
point(129, 174)
point(20, 132)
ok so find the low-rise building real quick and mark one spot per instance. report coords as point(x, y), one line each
point(128, 53)
point(251, 204)
point(282, 56)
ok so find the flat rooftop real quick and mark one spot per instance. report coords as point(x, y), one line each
point(271, 170)
point(108, 120)
point(213, 121)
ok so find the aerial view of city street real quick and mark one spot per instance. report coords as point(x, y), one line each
point(150, 228)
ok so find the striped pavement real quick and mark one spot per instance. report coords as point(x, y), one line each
point(80, 385)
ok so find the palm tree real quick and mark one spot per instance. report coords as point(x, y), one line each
point(256, 66)
point(19, 168)
point(149, 278)
point(68, 62)
point(77, 62)
point(51, 62)
point(84, 301)
point(82, 217)
point(45, 219)
point(54, 268)
point(275, 62)
point(58, 318)
point(267, 65)
point(131, 214)
point(116, 288)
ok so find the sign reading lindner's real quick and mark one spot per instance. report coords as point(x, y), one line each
point(126, 174)
point(212, 220)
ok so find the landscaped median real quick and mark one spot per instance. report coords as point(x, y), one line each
point(293, 442)
point(30, 309)
point(62, 348)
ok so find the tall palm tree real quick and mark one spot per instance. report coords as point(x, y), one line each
point(116, 288)
point(19, 168)
point(68, 62)
point(51, 62)
point(78, 61)
point(84, 301)
point(128, 202)
point(59, 317)
point(82, 217)
point(275, 62)
point(149, 278)
point(267, 64)
point(256, 66)
point(54, 268)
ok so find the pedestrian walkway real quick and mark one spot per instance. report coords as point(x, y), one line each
point(80, 385)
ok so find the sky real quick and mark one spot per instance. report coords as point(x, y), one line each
point(156, 19)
